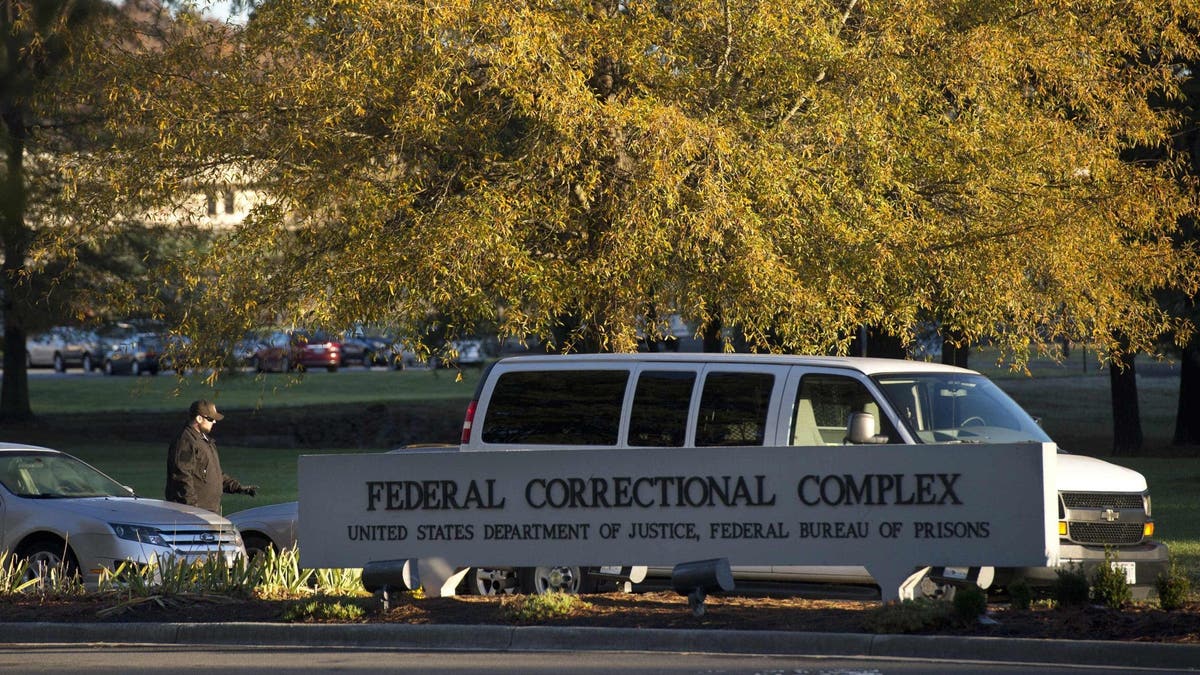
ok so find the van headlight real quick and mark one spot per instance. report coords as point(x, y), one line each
point(139, 533)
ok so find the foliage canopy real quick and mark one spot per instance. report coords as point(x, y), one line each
point(793, 169)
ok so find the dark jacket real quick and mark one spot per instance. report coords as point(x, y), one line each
point(194, 472)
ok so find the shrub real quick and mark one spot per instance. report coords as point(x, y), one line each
point(1173, 588)
point(1071, 587)
point(530, 608)
point(1020, 595)
point(909, 616)
point(322, 609)
point(970, 603)
point(1110, 587)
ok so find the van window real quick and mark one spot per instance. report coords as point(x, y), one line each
point(660, 408)
point(823, 407)
point(733, 409)
point(556, 407)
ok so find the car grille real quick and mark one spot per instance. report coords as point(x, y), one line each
point(1102, 500)
point(1105, 533)
point(201, 540)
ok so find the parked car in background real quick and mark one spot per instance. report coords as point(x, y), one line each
point(282, 351)
point(60, 348)
point(139, 353)
point(58, 512)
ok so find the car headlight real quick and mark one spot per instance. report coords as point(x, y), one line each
point(139, 533)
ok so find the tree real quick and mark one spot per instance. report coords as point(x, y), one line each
point(36, 128)
point(795, 170)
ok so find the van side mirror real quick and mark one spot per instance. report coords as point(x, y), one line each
point(860, 430)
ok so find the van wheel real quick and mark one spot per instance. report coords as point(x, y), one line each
point(60, 366)
point(542, 580)
point(928, 588)
point(87, 363)
point(492, 581)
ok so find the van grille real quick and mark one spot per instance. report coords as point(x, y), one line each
point(1102, 500)
point(1105, 533)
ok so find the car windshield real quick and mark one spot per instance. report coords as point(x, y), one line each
point(48, 475)
point(958, 408)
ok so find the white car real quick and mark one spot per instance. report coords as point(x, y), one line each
point(57, 511)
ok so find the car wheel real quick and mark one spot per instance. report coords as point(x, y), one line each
point(542, 580)
point(134, 368)
point(257, 544)
point(28, 361)
point(60, 366)
point(332, 369)
point(108, 367)
point(87, 363)
point(492, 581)
point(368, 360)
point(285, 366)
point(153, 371)
point(46, 554)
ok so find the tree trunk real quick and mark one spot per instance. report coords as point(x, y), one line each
point(714, 342)
point(1127, 420)
point(1187, 416)
point(871, 341)
point(952, 355)
point(14, 236)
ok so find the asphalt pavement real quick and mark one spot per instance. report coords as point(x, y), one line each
point(489, 638)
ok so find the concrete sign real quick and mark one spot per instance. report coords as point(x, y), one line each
point(889, 508)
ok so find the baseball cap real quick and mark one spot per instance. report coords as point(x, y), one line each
point(206, 409)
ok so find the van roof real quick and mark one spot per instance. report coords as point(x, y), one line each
point(865, 365)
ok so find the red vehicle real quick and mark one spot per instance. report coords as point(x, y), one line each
point(283, 351)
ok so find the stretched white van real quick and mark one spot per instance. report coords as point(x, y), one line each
point(707, 400)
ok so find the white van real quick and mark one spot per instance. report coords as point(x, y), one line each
point(707, 400)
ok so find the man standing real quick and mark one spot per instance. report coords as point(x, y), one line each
point(193, 468)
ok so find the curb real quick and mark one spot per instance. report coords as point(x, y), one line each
point(490, 638)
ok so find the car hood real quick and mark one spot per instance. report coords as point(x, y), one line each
point(271, 513)
point(135, 511)
point(1077, 473)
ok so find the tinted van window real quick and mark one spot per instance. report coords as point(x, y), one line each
point(733, 409)
point(660, 408)
point(823, 407)
point(578, 407)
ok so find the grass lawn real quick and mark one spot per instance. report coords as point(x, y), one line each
point(90, 393)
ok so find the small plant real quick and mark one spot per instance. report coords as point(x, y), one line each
point(970, 603)
point(278, 575)
point(1071, 587)
point(14, 575)
point(1173, 588)
point(323, 609)
point(346, 582)
point(531, 608)
point(1020, 595)
point(1110, 586)
point(909, 616)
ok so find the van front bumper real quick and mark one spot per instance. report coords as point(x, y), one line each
point(1143, 562)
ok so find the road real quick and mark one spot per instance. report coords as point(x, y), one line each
point(227, 660)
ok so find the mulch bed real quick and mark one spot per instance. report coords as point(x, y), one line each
point(647, 610)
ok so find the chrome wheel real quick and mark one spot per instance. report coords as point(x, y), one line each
point(492, 581)
point(561, 579)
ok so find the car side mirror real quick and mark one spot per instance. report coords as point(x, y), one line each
point(860, 430)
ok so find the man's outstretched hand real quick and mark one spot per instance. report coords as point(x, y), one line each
point(249, 490)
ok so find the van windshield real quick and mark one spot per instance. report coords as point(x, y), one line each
point(958, 408)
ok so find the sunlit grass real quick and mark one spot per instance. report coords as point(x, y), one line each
point(51, 396)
